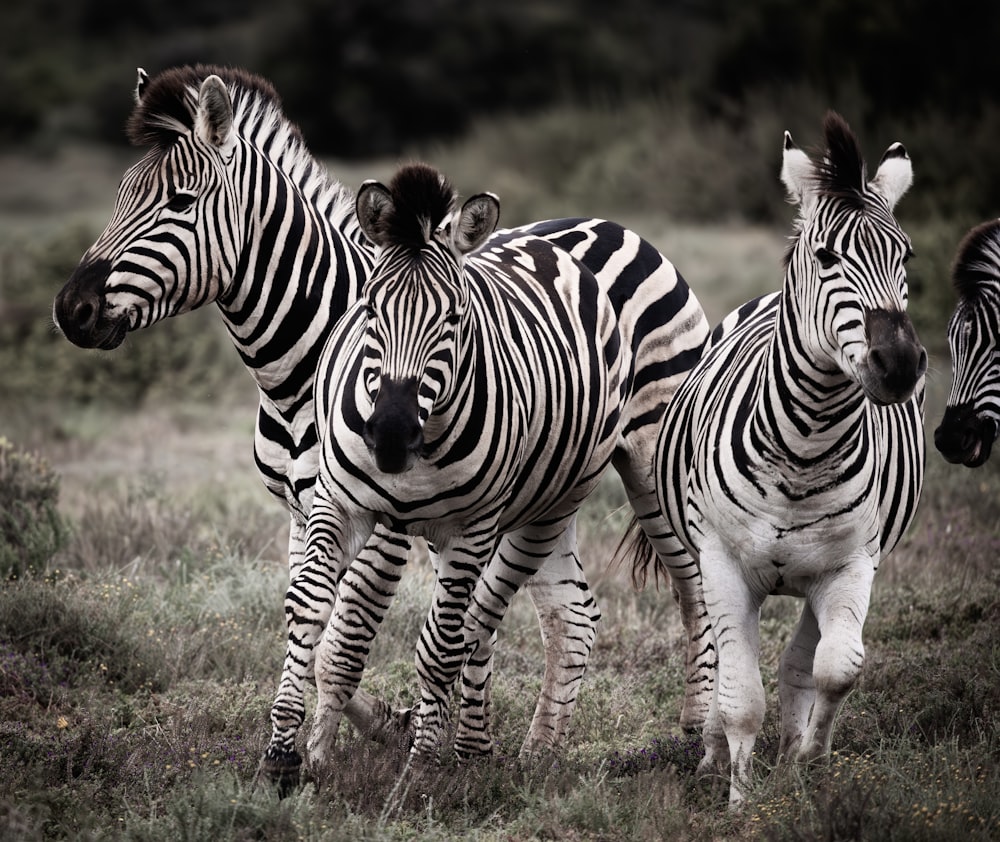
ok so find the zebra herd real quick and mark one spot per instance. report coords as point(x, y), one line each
point(420, 373)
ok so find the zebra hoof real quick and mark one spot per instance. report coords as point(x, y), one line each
point(283, 769)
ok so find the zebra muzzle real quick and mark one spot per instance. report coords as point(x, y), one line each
point(79, 309)
point(896, 360)
point(393, 434)
point(964, 437)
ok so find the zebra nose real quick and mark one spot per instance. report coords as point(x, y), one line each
point(896, 360)
point(78, 305)
point(393, 433)
point(963, 437)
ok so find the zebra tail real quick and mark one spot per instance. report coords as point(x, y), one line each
point(635, 550)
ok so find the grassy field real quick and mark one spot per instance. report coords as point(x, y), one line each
point(137, 668)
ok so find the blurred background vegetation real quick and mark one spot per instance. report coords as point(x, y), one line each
point(664, 114)
point(141, 633)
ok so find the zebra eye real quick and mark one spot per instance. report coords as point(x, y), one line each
point(453, 317)
point(370, 310)
point(826, 258)
point(180, 202)
point(909, 254)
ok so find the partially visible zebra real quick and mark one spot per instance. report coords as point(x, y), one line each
point(791, 459)
point(972, 414)
point(476, 404)
point(228, 206)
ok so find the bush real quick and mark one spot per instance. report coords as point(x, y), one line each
point(31, 528)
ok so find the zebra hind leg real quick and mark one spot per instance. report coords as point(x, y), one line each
point(568, 616)
point(796, 687)
point(701, 660)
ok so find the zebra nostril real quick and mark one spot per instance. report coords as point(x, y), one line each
point(85, 314)
point(922, 363)
point(876, 363)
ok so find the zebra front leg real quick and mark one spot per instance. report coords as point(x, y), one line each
point(796, 687)
point(841, 605)
point(308, 605)
point(443, 648)
point(363, 597)
point(367, 713)
point(567, 615)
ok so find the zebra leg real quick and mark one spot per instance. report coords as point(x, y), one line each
point(442, 649)
point(567, 615)
point(363, 597)
point(715, 762)
point(841, 605)
point(367, 713)
point(796, 687)
point(634, 465)
point(331, 543)
point(735, 614)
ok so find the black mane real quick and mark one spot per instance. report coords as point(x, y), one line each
point(977, 262)
point(170, 98)
point(421, 199)
point(841, 171)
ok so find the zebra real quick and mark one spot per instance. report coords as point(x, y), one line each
point(968, 427)
point(476, 404)
point(228, 206)
point(791, 459)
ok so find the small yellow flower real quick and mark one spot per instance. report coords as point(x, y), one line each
point(62, 722)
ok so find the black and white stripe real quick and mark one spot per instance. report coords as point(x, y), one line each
point(971, 418)
point(475, 401)
point(791, 459)
point(229, 206)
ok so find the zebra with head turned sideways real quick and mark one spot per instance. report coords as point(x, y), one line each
point(228, 206)
point(791, 459)
point(474, 403)
point(969, 425)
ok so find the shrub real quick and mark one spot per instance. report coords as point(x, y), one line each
point(31, 528)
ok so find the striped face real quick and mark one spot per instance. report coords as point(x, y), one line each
point(848, 270)
point(172, 242)
point(972, 414)
point(418, 306)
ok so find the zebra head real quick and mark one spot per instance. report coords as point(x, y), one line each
point(172, 242)
point(845, 270)
point(969, 426)
point(417, 300)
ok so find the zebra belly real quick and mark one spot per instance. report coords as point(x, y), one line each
point(782, 546)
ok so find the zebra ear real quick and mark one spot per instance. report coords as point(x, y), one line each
point(373, 202)
point(797, 174)
point(142, 79)
point(895, 174)
point(214, 120)
point(476, 221)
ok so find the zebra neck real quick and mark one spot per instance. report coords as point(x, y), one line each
point(805, 410)
point(299, 271)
